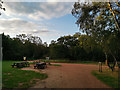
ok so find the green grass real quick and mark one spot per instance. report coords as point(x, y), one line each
point(55, 65)
point(16, 78)
point(108, 77)
point(68, 61)
point(32, 63)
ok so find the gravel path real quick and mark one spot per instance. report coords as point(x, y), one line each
point(70, 76)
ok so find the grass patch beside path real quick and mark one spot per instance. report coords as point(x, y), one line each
point(71, 61)
point(32, 63)
point(108, 77)
point(55, 65)
point(15, 78)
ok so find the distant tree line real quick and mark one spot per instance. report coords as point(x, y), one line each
point(71, 47)
point(79, 47)
point(23, 46)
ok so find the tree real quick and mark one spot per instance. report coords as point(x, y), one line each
point(33, 39)
point(86, 13)
point(76, 47)
point(115, 12)
point(99, 21)
point(22, 45)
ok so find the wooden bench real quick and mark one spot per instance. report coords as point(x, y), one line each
point(20, 64)
point(40, 66)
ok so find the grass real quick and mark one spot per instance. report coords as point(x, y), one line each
point(32, 63)
point(108, 77)
point(55, 65)
point(16, 78)
point(69, 61)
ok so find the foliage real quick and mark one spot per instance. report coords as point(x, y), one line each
point(76, 47)
point(71, 47)
point(100, 21)
point(23, 45)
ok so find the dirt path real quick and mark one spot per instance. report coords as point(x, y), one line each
point(70, 76)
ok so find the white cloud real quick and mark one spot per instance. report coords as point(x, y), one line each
point(17, 26)
point(38, 10)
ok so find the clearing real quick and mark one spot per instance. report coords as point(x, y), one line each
point(70, 76)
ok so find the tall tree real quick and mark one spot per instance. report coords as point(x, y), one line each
point(97, 21)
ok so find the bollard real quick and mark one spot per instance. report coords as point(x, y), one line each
point(100, 66)
point(106, 62)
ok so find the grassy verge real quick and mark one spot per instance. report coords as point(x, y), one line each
point(32, 63)
point(55, 65)
point(108, 77)
point(16, 78)
point(69, 61)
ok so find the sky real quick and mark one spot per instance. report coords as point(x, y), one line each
point(48, 20)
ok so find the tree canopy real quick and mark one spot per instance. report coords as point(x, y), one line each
point(100, 20)
point(23, 45)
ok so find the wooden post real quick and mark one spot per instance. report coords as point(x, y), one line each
point(106, 62)
point(101, 66)
point(106, 59)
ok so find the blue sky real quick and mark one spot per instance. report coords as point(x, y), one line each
point(47, 20)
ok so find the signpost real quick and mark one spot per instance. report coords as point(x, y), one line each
point(24, 58)
point(47, 58)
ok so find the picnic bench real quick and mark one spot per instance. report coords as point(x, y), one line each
point(20, 64)
point(40, 66)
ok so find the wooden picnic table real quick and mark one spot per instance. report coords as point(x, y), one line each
point(20, 64)
point(40, 65)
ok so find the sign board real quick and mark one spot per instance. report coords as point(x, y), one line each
point(47, 58)
point(24, 58)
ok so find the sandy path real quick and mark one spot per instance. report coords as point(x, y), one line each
point(70, 76)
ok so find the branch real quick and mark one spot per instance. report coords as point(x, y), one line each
point(116, 22)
